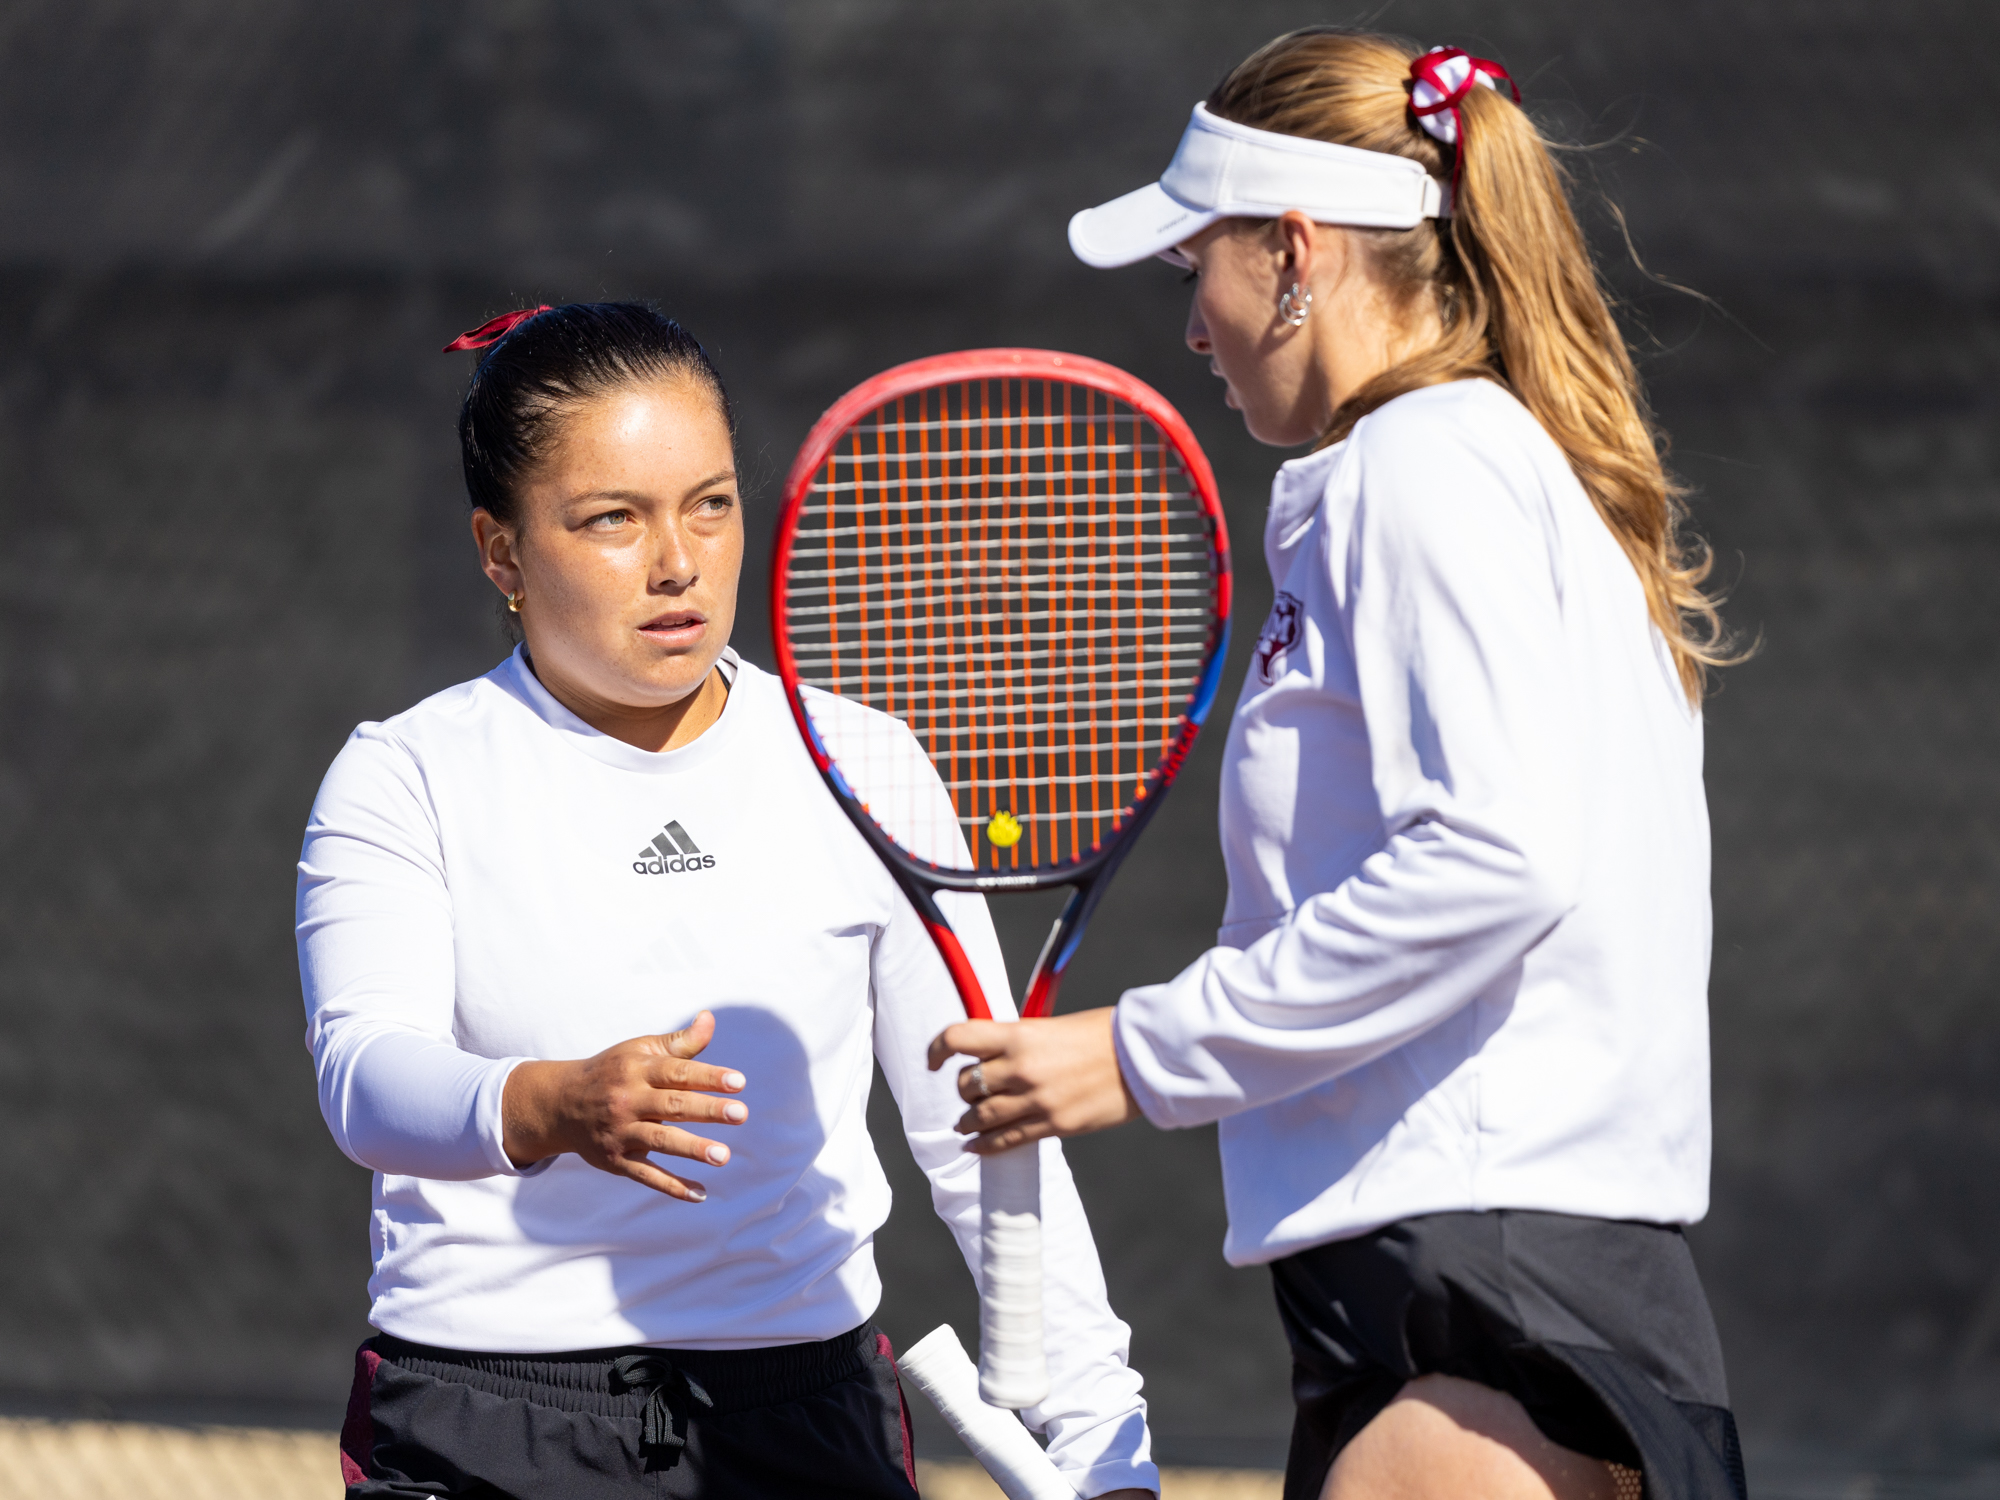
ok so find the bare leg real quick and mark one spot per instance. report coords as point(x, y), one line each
point(1443, 1438)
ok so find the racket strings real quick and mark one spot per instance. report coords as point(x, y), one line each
point(1020, 574)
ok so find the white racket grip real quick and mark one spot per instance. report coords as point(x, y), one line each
point(937, 1365)
point(1013, 1369)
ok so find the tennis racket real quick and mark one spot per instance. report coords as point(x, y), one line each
point(1006, 572)
point(937, 1366)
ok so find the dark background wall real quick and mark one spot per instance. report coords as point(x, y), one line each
point(232, 237)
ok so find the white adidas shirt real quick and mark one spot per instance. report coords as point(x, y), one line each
point(487, 879)
point(1464, 963)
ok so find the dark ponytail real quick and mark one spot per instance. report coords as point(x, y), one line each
point(552, 362)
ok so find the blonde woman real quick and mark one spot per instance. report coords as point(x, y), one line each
point(1454, 1026)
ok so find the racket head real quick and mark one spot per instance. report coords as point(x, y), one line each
point(1011, 564)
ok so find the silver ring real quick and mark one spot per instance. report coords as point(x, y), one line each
point(977, 1073)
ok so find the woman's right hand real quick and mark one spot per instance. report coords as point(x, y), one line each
point(611, 1109)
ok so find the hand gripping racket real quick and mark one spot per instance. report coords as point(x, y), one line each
point(1005, 571)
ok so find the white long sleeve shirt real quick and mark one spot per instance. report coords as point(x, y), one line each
point(486, 879)
point(1464, 961)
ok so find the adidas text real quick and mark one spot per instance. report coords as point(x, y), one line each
point(680, 862)
point(671, 852)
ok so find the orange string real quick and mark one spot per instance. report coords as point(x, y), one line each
point(1018, 648)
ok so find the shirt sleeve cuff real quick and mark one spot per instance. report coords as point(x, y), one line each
point(1149, 1101)
point(491, 1124)
point(1135, 1036)
point(1167, 1038)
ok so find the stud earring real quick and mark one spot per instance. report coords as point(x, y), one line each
point(514, 600)
point(1295, 306)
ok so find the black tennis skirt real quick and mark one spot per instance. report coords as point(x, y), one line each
point(1598, 1327)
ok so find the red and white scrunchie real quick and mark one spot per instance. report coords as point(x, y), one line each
point(1444, 76)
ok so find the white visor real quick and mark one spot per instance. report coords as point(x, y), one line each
point(1225, 170)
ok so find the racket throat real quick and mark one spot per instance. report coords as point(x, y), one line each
point(1047, 975)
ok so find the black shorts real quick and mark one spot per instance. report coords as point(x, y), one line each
point(816, 1420)
point(1598, 1327)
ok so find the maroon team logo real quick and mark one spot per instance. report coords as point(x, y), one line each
point(1281, 633)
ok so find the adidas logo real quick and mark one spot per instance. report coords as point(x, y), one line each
point(670, 853)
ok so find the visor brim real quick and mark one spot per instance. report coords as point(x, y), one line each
point(1127, 230)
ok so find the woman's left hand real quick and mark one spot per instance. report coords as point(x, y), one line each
point(1057, 1076)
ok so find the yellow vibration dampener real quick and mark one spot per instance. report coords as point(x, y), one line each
point(1004, 831)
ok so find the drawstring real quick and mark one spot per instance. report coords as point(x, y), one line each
point(657, 1376)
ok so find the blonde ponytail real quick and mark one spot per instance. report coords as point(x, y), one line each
point(1517, 293)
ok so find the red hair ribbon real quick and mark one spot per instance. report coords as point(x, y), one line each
point(488, 334)
point(1444, 76)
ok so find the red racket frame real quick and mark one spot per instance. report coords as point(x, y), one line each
point(1089, 876)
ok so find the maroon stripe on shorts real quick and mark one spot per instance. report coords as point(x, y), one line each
point(357, 1433)
point(888, 1352)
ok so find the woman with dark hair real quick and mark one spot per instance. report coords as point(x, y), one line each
point(525, 907)
point(1454, 1025)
